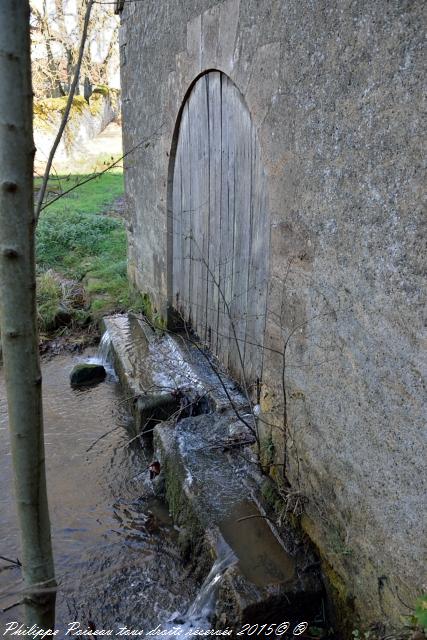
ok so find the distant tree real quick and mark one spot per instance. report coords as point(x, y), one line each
point(47, 79)
point(57, 27)
point(18, 311)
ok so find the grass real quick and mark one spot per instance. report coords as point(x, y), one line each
point(48, 299)
point(79, 238)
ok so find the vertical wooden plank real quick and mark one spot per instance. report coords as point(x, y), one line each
point(193, 116)
point(199, 202)
point(233, 193)
point(231, 123)
point(194, 119)
point(214, 205)
point(223, 341)
point(204, 208)
point(242, 231)
point(176, 214)
point(186, 212)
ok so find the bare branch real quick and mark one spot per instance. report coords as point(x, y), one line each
point(114, 164)
point(14, 562)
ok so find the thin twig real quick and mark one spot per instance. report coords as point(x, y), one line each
point(100, 173)
point(232, 325)
point(229, 398)
point(104, 435)
point(16, 562)
point(256, 515)
point(12, 606)
point(226, 445)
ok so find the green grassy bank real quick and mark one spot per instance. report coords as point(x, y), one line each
point(81, 253)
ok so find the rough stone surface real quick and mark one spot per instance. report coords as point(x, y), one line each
point(206, 475)
point(207, 495)
point(334, 90)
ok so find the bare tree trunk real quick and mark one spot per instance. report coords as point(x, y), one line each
point(18, 310)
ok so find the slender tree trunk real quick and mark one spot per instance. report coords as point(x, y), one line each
point(18, 310)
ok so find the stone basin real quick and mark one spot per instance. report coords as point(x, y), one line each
point(210, 490)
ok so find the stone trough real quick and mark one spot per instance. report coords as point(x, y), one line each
point(204, 441)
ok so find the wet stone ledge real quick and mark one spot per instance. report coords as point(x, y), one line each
point(248, 573)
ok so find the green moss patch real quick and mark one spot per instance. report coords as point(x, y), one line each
point(45, 111)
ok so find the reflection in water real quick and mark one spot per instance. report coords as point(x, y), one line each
point(115, 548)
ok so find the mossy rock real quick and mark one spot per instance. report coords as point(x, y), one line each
point(95, 103)
point(271, 495)
point(45, 108)
point(87, 374)
point(103, 89)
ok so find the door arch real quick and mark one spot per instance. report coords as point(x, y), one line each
point(220, 225)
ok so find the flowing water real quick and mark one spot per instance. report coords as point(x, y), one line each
point(115, 547)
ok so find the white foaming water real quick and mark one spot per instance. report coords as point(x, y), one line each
point(104, 349)
point(104, 356)
point(199, 614)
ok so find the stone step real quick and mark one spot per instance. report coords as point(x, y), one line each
point(210, 497)
point(208, 475)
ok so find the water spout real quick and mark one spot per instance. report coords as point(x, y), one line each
point(104, 349)
point(104, 356)
point(204, 603)
point(200, 612)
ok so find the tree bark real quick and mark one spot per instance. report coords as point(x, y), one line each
point(18, 311)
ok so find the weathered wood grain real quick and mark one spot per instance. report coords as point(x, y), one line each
point(220, 225)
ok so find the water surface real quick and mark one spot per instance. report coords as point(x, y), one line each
point(115, 548)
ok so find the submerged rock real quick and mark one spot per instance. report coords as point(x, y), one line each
point(87, 374)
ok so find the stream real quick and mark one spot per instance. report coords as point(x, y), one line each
point(115, 547)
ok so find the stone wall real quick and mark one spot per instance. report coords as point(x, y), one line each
point(334, 91)
point(86, 121)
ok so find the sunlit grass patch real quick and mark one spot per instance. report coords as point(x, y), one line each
point(77, 239)
point(49, 296)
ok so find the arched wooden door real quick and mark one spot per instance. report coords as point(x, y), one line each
point(220, 247)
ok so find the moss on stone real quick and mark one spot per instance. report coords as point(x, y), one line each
point(267, 450)
point(271, 495)
point(43, 108)
point(150, 312)
point(147, 307)
point(342, 598)
point(103, 89)
point(159, 322)
point(192, 539)
point(178, 503)
point(339, 595)
point(86, 374)
point(47, 112)
point(96, 102)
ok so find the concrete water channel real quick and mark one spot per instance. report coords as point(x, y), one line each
point(187, 543)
